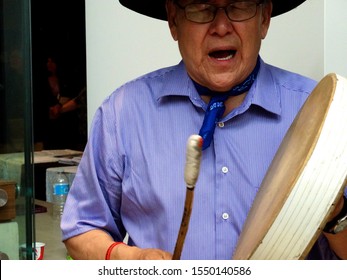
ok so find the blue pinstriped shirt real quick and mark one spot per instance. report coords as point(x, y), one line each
point(131, 176)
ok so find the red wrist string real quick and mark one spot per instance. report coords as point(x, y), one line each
point(109, 250)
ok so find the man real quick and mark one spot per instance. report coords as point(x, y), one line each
point(130, 179)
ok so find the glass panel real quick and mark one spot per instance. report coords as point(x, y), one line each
point(16, 168)
point(59, 107)
point(29, 32)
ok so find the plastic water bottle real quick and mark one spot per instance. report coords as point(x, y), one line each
point(60, 190)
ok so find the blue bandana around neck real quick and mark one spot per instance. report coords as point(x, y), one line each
point(216, 108)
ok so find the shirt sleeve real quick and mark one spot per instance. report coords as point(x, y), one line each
point(95, 196)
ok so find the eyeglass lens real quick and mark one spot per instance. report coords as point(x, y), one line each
point(236, 11)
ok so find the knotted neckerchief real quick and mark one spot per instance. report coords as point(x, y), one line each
point(216, 108)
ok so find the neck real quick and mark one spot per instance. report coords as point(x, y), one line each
point(230, 104)
point(241, 88)
point(235, 96)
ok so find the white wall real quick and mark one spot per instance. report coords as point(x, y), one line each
point(310, 40)
point(335, 43)
point(296, 40)
point(122, 45)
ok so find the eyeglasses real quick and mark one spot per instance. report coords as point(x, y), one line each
point(235, 11)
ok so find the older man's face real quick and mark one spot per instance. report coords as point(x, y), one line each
point(222, 53)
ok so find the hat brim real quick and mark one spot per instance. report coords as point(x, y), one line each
point(156, 8)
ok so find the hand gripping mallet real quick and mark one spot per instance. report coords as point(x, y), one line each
point(191, 173)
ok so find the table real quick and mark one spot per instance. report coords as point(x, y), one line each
point(12, 167)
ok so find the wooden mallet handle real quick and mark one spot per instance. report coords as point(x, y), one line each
point(191, 173)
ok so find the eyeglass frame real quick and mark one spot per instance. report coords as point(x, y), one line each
point(216, 8)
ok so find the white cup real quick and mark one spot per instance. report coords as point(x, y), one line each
point(38, 250)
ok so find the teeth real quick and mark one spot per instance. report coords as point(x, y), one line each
point(225, 58)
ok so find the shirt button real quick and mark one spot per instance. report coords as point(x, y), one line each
point(221, 124)
point(225, 216)
point(225, 169)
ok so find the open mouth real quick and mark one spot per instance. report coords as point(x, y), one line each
point(222, 54)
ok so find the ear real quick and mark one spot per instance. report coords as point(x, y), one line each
point(171, 11)
point(266, 18)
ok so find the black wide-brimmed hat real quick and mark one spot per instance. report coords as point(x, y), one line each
point(156, 8)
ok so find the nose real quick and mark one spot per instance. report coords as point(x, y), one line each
point(221, 24)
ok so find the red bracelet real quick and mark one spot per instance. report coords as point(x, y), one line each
point(109, 250)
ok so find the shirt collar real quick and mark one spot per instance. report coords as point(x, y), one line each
point(264, 92)
point(180, 84)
